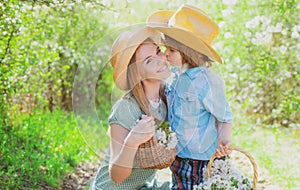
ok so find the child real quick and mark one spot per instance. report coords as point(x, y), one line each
point(197, 108)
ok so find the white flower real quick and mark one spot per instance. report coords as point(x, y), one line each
point(160, 135)
point(226, 12)
point(282, 49)
point(228, 35)
point(172, 141)
point(219, 45)
point(265, 20)
point(284, 32)
point(164, 135)
point(224, 176)
point(253, 23)
point(237, 60)
point(295, 34)
point(229, 2)
point(278, 27)
point(247, 34)
point(222, 24)
point(296, 28)
point(262, 38)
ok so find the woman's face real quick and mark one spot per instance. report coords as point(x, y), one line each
point(152, 62)
point(173, 57)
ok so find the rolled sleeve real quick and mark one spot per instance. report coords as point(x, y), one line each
point(215, 101)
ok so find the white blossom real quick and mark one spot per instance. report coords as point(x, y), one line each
point(224, 176)
point(237, 60)
point(296, 28)
point(282, 49)
point(284, 32)
point(229, 2)
point(253, 23)
point(228, 35)
point(247, 34)
point(295, 34)
point(168, 141)
point(222, 24)
point(219, 45)
point(278, 27)
point(172, 141)
point(262, 38)
point(226, 12)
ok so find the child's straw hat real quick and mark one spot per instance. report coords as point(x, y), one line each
point(190, 26)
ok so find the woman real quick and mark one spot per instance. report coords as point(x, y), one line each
point(139, 66)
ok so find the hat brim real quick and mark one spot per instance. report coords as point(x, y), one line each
point(189, 39)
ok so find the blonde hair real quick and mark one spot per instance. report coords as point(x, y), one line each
point(189, 55)
point(135, 83)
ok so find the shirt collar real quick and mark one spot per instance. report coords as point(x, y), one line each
point(192, 72)
point(184, 68)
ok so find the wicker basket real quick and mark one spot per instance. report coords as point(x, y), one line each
point(150, 155)
point(255, 174)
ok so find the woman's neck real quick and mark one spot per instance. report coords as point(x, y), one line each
point(152, 90)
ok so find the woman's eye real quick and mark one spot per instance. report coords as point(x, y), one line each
point(149, 60)
point(158, 51)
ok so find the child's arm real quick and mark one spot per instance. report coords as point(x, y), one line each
point(224, 139)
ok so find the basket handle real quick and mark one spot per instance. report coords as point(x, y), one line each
point(255, 173)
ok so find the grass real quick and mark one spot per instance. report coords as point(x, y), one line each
point(275, 150)
point(38, 149)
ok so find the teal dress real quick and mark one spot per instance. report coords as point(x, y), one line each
point(125, 113)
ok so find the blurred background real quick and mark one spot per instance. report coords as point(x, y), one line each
point(48, 46)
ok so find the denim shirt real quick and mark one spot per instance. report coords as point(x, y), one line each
point(195, 100)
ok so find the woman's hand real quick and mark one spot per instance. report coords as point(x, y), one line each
point(141, 132)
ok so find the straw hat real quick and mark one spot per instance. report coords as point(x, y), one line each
point(124, 48)
point(190, 26)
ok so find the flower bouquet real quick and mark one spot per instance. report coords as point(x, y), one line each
point(159, 152)
point(221, 175)
point(165, 136)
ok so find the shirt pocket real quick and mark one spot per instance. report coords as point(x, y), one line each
point(188, 104)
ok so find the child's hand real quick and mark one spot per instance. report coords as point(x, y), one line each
point(224, 148)
point(224, 142)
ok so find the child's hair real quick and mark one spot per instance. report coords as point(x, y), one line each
point(136, 85)
point(189, 55)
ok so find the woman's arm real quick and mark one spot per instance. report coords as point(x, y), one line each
point(124, 145)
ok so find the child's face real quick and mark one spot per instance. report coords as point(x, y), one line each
point(174, 57)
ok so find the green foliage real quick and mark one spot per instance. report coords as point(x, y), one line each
point(43, 43)
point(39, 149)
point(41, 48)
point(259, 42)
